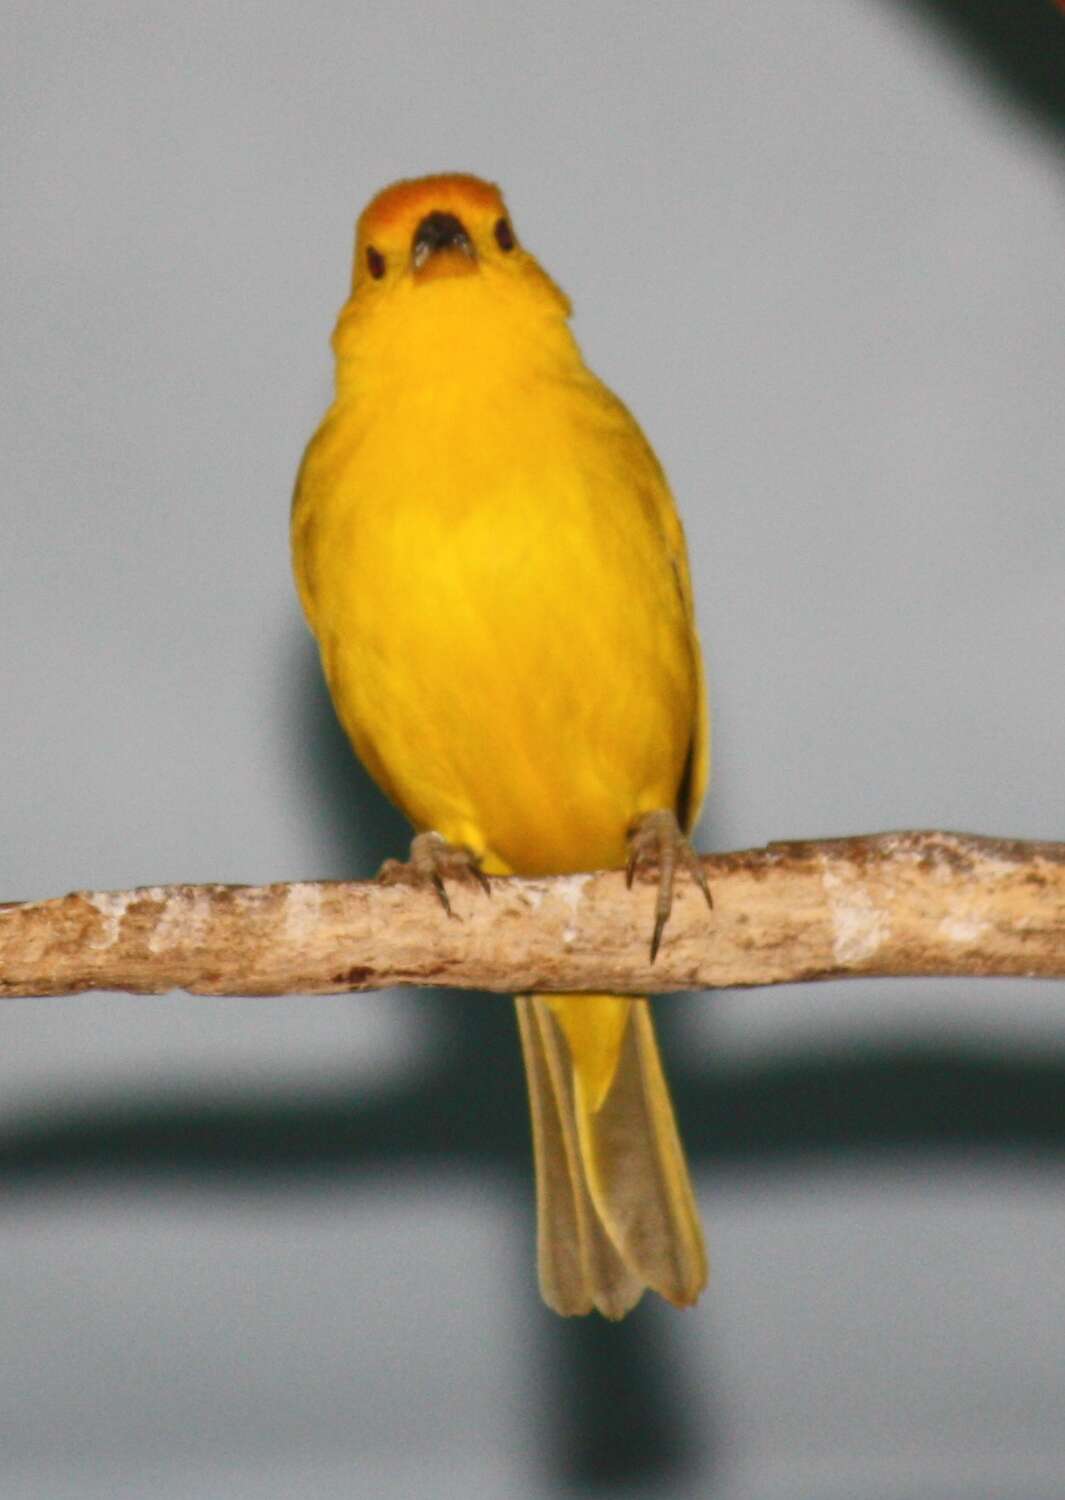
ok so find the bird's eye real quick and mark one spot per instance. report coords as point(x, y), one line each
point(504, 234)
point(375, 263)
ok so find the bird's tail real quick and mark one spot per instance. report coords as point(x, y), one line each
point(615, 1207)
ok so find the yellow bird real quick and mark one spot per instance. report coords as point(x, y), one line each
point(488, 553)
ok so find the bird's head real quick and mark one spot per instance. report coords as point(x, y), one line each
point(430, 244)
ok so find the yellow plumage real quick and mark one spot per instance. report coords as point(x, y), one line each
point(488, 554)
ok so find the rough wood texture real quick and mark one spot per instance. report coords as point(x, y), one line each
point(886, 904)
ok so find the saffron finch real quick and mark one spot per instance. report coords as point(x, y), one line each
point(488, 553)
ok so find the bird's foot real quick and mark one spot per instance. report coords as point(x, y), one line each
point(656, 842)
point(432, 861)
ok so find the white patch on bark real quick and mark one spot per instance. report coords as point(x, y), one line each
point(303, 902)
point(183, 922)
point(570, 889)
point(112, 906)
point(859, 926)
point(963, 930)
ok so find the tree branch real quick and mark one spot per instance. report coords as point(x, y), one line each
point(885, 904)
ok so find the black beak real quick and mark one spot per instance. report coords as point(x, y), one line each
point(439, 231)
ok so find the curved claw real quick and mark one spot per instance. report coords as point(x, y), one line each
point(432, 860)
point(694, 866)
point(656, 841)
point(441, 891)
point(661, 918)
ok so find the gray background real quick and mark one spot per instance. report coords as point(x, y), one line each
point(268, 1248)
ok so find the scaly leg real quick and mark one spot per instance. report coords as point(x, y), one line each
point(656, 841)
point(432, 860)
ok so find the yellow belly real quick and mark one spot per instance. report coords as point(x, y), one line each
point(501, 627)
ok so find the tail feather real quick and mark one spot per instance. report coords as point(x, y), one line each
point(615, 1207)
point(579, 1265)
